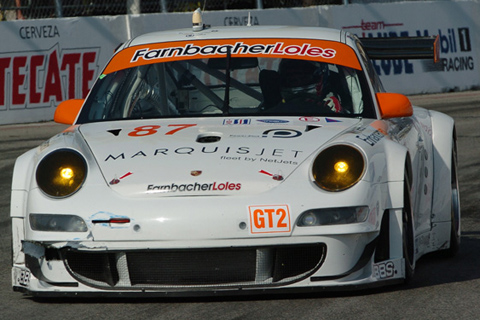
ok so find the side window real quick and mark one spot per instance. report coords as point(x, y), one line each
point(370, 69)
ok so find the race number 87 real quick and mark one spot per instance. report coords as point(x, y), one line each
point(269, 219)
point(152, 129)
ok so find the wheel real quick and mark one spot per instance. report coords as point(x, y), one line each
point(408, 237)
point(455, 212)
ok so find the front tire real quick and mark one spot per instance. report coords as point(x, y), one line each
point(408, 237)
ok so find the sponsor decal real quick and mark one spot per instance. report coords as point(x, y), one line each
point(269, 219)
point(311, 49)
point(384, 270)
point(372, 138)
point(373, 25)
point(239, 47)
point(278, 161)
point(244, 136)
point(192, 187)
point(234, 158)
point(455, 43)
point(241, 21)
point(235, 152)
point(41, 78)
point(260, 159)
point(38, 32)
point(281, 133)
point(309, 119)
point(272, 121)
point(148, 130)
point(236, 121)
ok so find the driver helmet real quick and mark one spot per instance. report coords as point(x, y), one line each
point(302, 77)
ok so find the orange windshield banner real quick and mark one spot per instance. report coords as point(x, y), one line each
point(308, 49)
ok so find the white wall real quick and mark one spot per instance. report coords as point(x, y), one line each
point(43, 62)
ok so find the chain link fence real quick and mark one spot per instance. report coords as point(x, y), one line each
point(41, 9)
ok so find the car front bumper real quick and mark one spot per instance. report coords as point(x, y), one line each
point(305, 264)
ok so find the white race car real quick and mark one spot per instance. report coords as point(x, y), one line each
point(236, 161)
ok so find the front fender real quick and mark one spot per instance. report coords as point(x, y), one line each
point(396, 158)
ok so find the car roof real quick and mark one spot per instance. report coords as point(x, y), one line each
point(294, 32)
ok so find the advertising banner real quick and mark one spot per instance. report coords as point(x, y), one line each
point(43, 62)
point(455, 23)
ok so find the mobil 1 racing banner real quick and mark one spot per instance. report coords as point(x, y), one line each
point(43, 62)
point(453, 22)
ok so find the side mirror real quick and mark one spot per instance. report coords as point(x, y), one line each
point(394, 105)
point(67, 111)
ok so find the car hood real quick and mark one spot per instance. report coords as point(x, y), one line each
point(211, 156)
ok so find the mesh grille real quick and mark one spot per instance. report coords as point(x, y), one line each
point(195, 268)
point(192, 268)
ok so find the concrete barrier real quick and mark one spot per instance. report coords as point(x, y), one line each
point(43, 62)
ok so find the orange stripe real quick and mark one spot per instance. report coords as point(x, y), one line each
point(309, 49)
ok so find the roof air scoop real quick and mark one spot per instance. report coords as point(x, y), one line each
point(197, 23)
point(209, 137)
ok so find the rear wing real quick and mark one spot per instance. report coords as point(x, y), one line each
point(402, 48)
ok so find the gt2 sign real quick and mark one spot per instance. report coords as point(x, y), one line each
point(269, 219)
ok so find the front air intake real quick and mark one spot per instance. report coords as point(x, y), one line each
point(224, 267)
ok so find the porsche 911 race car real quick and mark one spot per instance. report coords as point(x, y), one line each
point(237, 161)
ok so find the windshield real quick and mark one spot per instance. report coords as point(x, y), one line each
point(229, 86)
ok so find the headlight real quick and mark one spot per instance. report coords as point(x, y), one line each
point(338, 168)
point(332, 216)
point(57, 222)
point(61, 173)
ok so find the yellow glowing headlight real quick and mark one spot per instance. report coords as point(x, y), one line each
point(61, 173)
point(67, 173)
point(341, 167)
point(338, 168)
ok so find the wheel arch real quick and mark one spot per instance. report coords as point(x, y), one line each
point(390, 244)
point(21, 181)
point(443, 141)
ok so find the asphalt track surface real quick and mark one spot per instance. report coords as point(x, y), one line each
point(441, 289)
